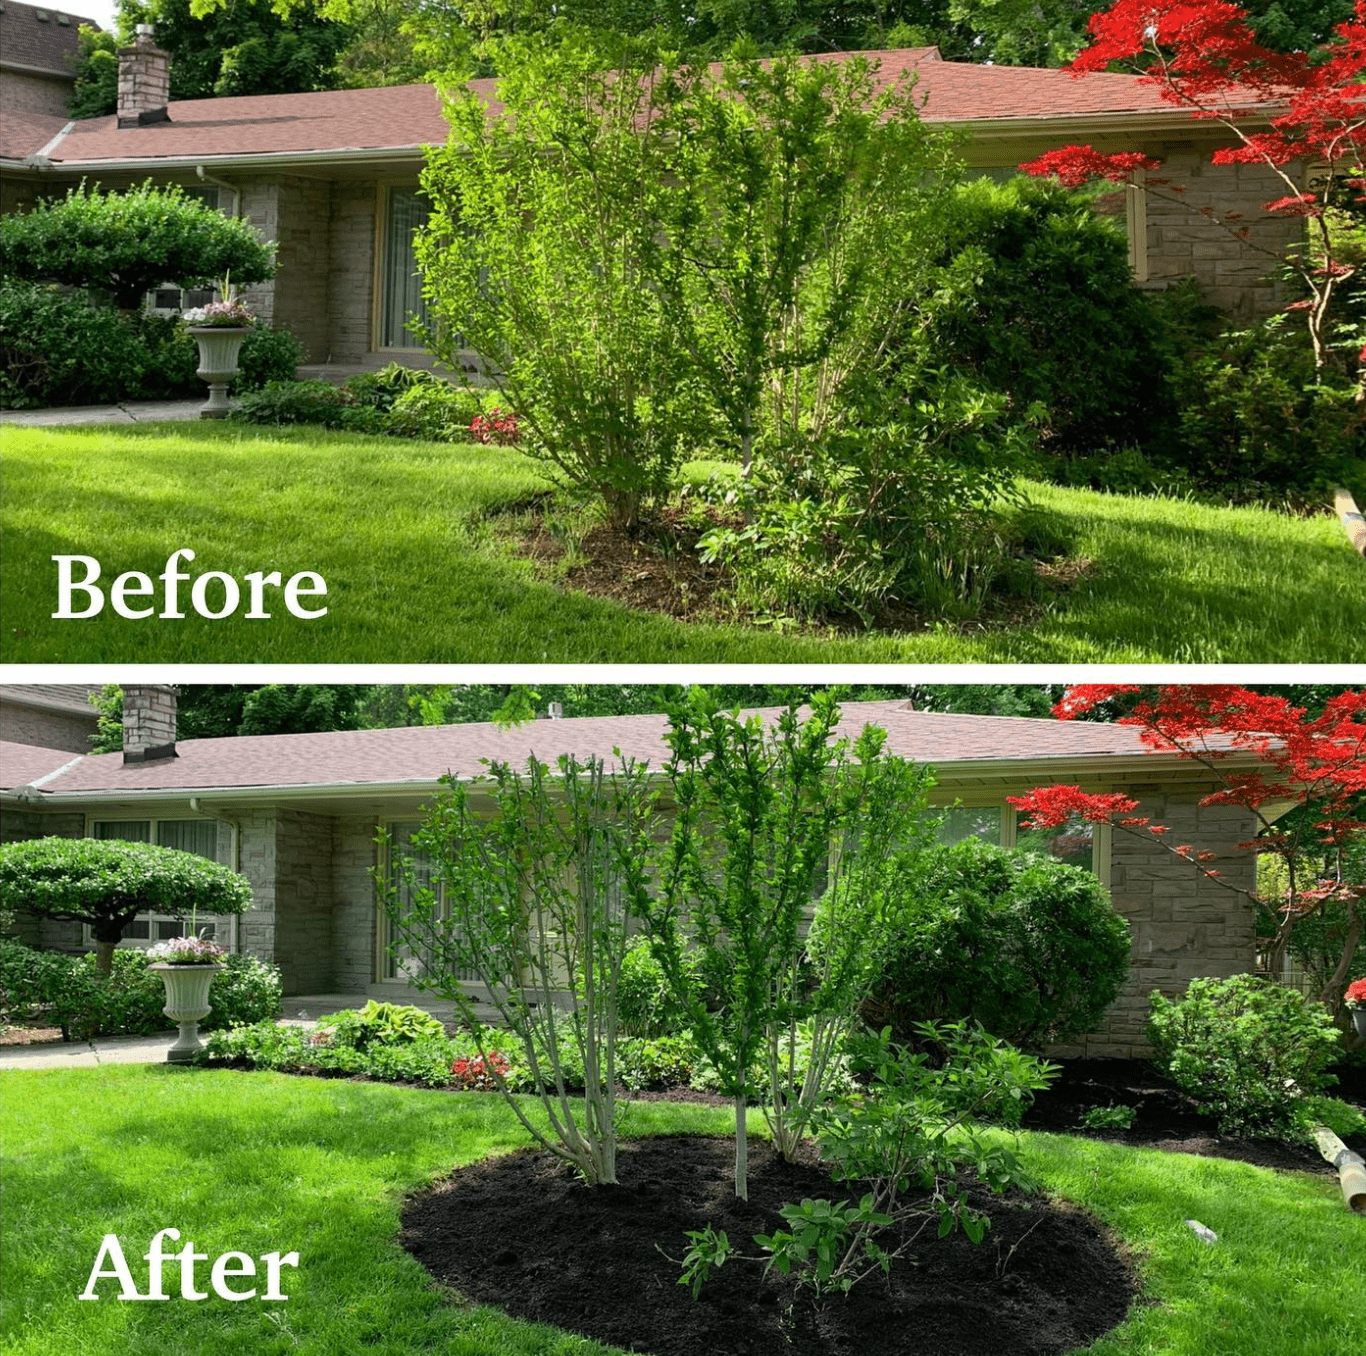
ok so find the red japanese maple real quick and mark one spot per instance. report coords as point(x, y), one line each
point(1313, 766)
point(1309, 106)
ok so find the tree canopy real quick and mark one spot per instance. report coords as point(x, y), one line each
point(106, 883)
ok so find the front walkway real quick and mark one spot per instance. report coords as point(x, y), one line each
point(134, 412)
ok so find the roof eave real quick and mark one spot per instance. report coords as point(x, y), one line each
point(272, 160)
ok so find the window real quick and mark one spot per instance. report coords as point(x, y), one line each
point(1084, 845)
point(960, 823)
point(171, 300)
point(187, 835)
point(401, 296)
point(397, 962)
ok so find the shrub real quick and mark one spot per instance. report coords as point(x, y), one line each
point(1028, 947)
point(127, 243)
point(1109, 1118)
point(382, 387)
point(1244, 1050)
point(433, 409)
point(645, 1004)
point(498, 426)
point(379, 1024)
point(269, 353)
point(305, 402)
point(68, 991)
point(1253, 423)
point(1037, 301)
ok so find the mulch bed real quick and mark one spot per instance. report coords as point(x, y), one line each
point(657, 569)
point(1165, 1120)
point(523, 1233)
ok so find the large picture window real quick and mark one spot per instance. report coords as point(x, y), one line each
point(398, 963)
point(199, 836)
point(405, 209)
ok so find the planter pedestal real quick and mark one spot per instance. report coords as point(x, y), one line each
point(1359, 1021)
point(219, 346)
point(187, 1004)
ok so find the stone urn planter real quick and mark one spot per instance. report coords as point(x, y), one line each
point(219, 346)
point(187, 1004)
point(1359, 1021)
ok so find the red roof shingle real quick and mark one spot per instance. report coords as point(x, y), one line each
point(423, 754)
point(409, 116)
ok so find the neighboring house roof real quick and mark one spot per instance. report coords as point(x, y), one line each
point(23, 133)
point(72, 698)
point(418, 756)
point(361, 123)
point(40, 41)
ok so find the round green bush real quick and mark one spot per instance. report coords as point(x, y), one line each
point(1028, 947)
point(1245, 1050)
point(1039, 303)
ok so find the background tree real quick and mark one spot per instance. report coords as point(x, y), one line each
point(216, 711)
point(1308, 797)
point(107, 883)
point(124, 244)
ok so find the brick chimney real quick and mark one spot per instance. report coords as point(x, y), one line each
point(149, 714)
point(144, 81)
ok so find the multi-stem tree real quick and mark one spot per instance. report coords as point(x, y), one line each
point(763, 818)
point(1307, 793)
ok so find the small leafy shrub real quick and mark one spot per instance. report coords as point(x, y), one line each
point(661, 1062)
point(645, 1005)
point(1342, 1118)
point(379, 1024)
point(68, 991)
point(381, 388)
point(1029, 947)
point(475, 1073)
point(1244, 1050)
point(1109, 1118)
point(915, 1126)
point(269, 353)
point(497, 426)
point(434, 410)
point(305, 402)
point(1252, 421)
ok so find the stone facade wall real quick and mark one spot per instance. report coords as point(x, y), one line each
point(354, 855)
point(1184, 924)
point(351, 276)
point(303, 901)
point(303, 218)
point(258, 203)
point(1233, 275)
point(256, 861)
point(44, 729)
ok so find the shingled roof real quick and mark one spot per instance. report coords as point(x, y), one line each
point(357, 123)
point(418, 756)
point(41, 41)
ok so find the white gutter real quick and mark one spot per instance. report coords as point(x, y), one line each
point(222, 183)
point(273, 160)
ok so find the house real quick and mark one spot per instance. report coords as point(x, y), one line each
point(332, 178)
point(37, 61)
point(299, 815)
point(50, 715)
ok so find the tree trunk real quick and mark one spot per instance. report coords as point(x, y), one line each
point(741, 1149)
point(104, 956)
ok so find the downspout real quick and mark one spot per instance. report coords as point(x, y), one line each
point(198, 806)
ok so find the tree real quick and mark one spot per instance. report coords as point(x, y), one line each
point(1308, 797)
point(1203, 56)
point(534, 901)
point(219, 710)
point(760, 817)
point(107, 883)
point(124, 244)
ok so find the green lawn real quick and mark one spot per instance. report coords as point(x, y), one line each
point(264, 1162)
point(415, 573)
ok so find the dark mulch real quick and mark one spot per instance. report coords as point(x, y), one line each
point(657, 569)
point(1166, 1120)
point(523, 1233)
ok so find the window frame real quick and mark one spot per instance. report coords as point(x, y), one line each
point(384, 196)
point(226, 931)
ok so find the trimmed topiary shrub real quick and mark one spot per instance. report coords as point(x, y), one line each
point(1029, 947)
point(1245, 1050)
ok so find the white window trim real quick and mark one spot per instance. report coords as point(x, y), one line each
point(1136, 224)
point(1102, 839)
point(225, 925)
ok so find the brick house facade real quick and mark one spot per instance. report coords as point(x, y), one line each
point(332, 178)
point(299, 816)
point(37, 60)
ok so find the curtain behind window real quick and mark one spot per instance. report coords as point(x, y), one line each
point(401, 290)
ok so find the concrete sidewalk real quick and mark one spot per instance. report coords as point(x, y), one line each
point(103, 1050)
point(134, 412)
